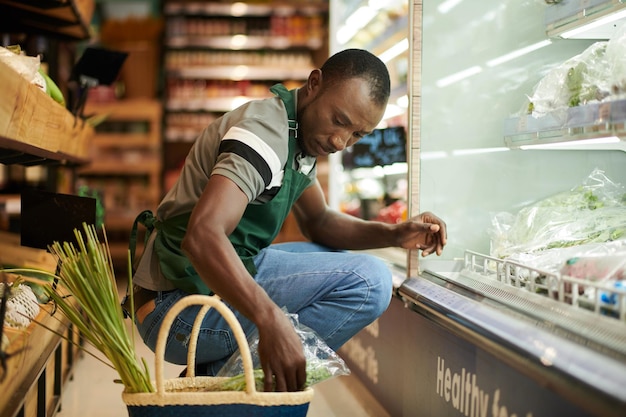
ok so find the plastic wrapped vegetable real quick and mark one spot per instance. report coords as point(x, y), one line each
point(593, 212)
point(322, 362)
point(577, 81)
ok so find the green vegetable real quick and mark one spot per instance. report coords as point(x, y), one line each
point(87, 273)
point(94, 306)
point(53, 89)
point(314, 375)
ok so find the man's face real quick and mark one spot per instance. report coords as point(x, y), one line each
point(337, 117)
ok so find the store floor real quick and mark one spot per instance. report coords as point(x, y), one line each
point(92, 392)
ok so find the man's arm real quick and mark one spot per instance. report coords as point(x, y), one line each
point(321, 224)
point(206, 244)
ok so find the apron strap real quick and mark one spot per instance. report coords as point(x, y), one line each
point(147, 219)
point(290, 105)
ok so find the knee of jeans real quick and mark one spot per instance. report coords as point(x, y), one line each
point(380, 284)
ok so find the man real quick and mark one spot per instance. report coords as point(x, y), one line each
point(213, 230)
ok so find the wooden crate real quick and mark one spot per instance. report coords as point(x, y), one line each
point(29, 115)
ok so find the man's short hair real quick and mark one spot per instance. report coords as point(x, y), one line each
point(359, 63)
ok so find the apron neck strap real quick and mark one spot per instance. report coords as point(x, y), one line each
point(288, 98)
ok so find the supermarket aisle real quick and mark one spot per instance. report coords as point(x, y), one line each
point(93, 393)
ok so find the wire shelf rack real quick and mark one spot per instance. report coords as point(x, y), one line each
point(603, 298)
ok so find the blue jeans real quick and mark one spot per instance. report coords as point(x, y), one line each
point(334, 293)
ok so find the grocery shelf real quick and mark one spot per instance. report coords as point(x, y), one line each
point(588, 19)
point(64, 19)
point(237, 9)
point(219, 55)
point(572, 126)
point(213, 104)
point(241, 72)
point(238, 42)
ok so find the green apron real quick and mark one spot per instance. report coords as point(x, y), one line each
point(257, 229)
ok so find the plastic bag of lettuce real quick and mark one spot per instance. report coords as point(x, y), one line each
point(322, 362)
point(592, 212)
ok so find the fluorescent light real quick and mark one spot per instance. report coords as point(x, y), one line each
point(394, 51)
point(596, 23)
point(355, 22)
point(572, 143)
point(478, 151)
point(448, 5)
point(451, 79)
point(433, 155)
point(518, 53)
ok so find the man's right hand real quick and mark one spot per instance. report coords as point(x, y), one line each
point(281, 354)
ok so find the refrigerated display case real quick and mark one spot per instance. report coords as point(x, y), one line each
point(470, 333)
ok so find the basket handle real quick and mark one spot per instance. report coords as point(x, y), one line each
point(207, 302)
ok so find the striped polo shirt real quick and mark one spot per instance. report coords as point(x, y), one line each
point(248, 145)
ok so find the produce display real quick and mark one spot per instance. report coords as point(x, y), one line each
point(593, 212)
point(29, 67)
point(597, 74)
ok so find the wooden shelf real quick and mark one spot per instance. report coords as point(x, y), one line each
point(127, 109)
point(41, 359)
point(121, 167)
point(67, 19)
point(130, 140)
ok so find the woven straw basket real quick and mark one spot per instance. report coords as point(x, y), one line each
point(192, 396)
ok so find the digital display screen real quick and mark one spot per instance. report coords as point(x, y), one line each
point(379, 148)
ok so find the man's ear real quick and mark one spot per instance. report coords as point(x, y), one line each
point(314, 81)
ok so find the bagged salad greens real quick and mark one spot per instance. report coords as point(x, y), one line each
point(593, 212)
point(597, 74)
point(322, 362)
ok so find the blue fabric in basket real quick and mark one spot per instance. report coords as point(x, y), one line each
point(221, 410)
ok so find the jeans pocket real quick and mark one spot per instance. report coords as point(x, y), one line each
point(213, 344)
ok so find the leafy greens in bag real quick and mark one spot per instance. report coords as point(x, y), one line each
point(322, 362)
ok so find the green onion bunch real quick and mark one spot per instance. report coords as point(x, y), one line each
point(87, 274)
